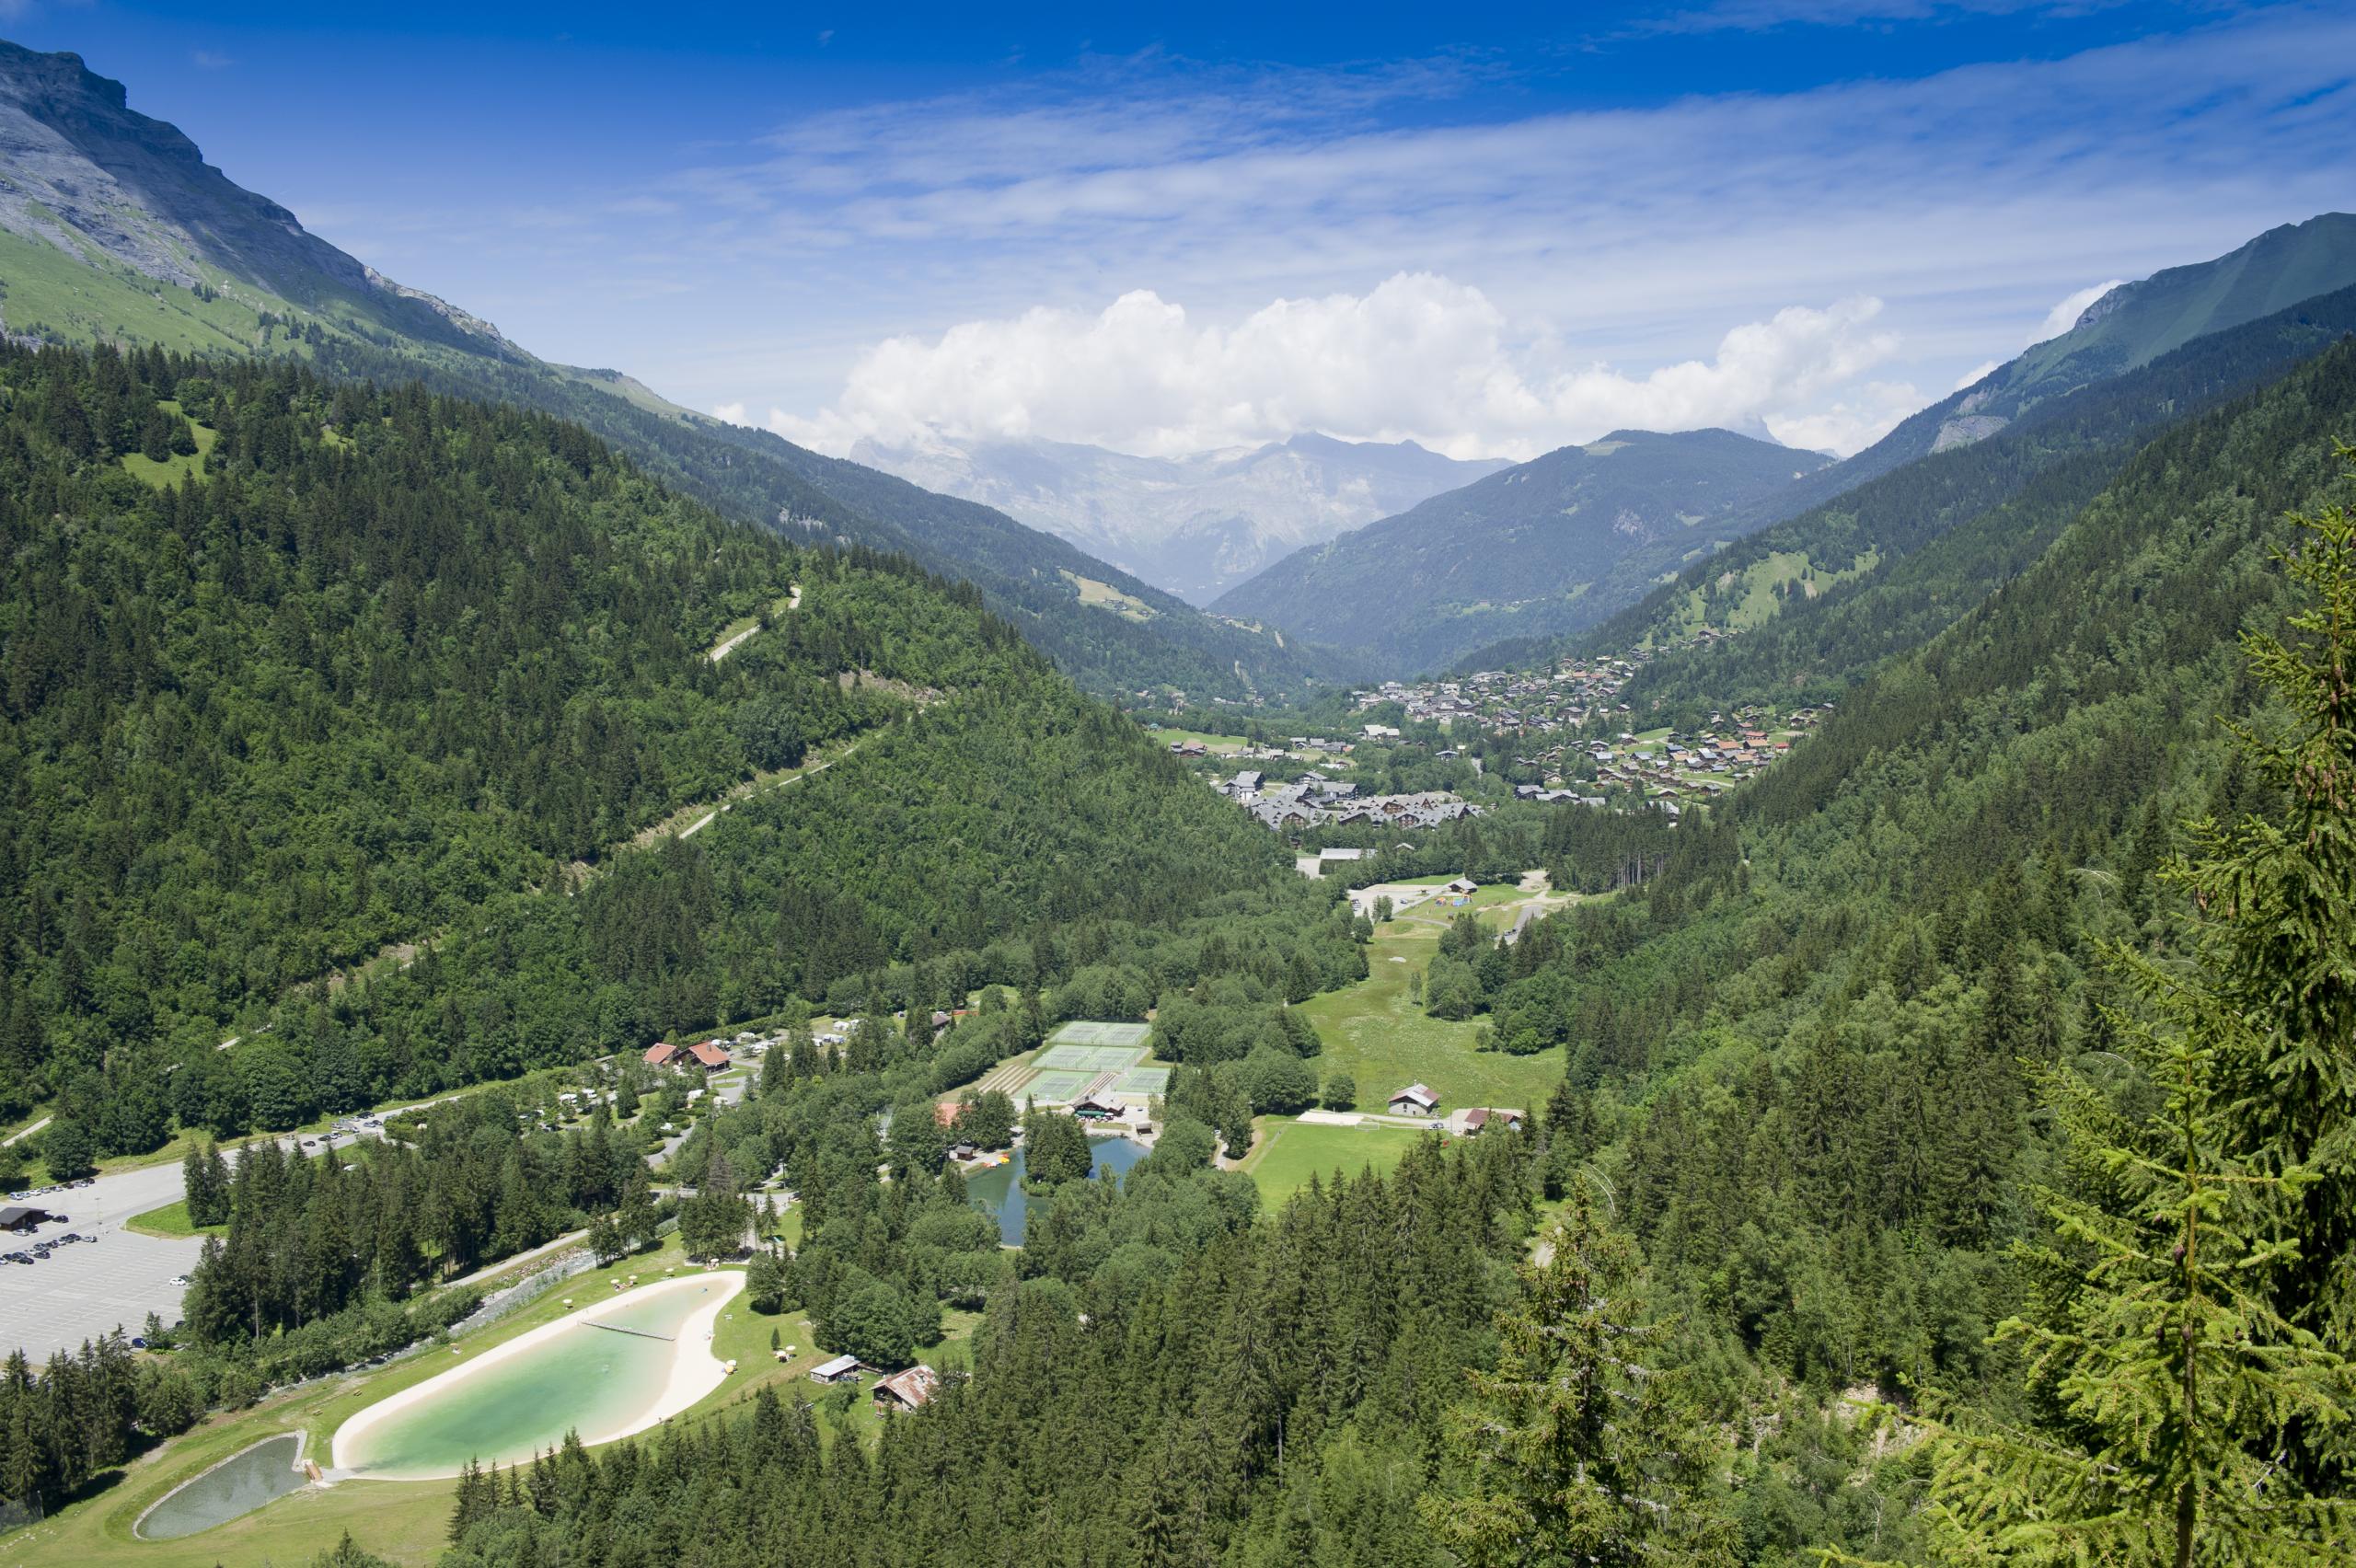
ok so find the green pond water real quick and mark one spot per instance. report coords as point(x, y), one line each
point(1000, 1193)
point(229, 1490)
point(584, 1379)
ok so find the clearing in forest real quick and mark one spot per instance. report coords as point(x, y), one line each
point(1378, 1033)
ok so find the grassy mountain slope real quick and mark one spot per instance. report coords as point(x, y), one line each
point(1545, 547)
point(113, 229)
point(1820, 600)
point(2128, 327)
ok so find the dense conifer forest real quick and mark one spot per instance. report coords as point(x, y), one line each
point(370, 669)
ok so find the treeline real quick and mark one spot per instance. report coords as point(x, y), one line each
point(308, 1237)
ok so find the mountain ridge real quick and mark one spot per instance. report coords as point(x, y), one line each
point(1544, 546)
point(1197, 524)
point(114, 229)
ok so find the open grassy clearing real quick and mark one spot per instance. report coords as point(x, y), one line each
point(1286, 1153)
point(1385, 1041)
point(172, 470)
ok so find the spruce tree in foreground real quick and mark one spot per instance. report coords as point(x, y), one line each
point(1580, 1448)
point(2195, 1253)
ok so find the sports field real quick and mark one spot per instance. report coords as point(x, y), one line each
point(1288, 1153)
point(1074, 1057)
point(1090, 1058)
point(1055, 1088)
point(1080, 1033)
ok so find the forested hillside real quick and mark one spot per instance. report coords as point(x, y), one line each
point(1802, 610)
point(296, 670)
point(1804, 1074)
point(114, 230)
point(1547, 546)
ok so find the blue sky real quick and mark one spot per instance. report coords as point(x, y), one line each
point(1491, 229)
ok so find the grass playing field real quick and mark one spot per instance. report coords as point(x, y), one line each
point(1385, 1041)
point(1288, 1153)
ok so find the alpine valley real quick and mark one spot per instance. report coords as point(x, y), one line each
point(583, 985)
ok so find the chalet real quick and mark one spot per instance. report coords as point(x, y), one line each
point(1413, 1101)
point(1101, 1106)
point(941, 1019)
point(711, 1056)
point(841, 1369)
point(1483, 1116)
point(661, 1055)
point(1247, 782)
point(905, 1391)
point(1463, 884)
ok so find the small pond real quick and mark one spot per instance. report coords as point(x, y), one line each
point(235, 1487)
point(999, 1191)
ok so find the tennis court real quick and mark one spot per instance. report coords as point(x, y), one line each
point(1080, 1033)
point(1090, 1058)
point(1055, 1088)
point(1144, 1080)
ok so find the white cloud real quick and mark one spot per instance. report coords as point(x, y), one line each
point(1418, 357)
point(1974, 373)
point(730, 413)
point(2065, 312)
point(1852, 423)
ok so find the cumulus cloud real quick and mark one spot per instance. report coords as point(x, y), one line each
point(2065, 312)
point(1974, 373)
point(1419, 357)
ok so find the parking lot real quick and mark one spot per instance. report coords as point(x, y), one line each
point(85, 1290)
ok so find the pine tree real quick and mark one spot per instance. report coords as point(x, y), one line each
point(2175, 1312)
point(1580, 1447)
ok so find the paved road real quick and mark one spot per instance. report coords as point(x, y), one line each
point(85, 1290)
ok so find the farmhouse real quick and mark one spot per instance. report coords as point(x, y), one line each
point(906, 1391)
point(1413, 1101)
point(1484, 1117)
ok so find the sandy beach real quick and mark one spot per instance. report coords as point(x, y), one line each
point(695, 1371)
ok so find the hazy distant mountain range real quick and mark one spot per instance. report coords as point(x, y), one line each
point(1196, 525)
point(1543, 547)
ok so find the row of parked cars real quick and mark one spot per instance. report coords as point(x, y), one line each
point(53, 1187)
point(41, 1249)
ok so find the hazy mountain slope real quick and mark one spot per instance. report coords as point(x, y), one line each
point(112, 228)
point(1546, 547)
point(2131, 326)
point(1196, 525)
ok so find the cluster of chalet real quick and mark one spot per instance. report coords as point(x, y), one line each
point(911, 1389)
point(1311, 801)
